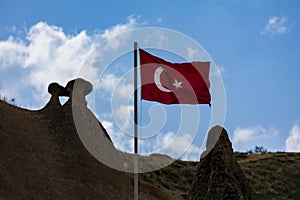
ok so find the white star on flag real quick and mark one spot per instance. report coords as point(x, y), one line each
point(177, 84)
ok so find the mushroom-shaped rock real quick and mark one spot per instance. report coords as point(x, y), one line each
point(78, 89)
point(55, 90)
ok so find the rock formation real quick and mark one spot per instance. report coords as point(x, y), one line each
point(77, 89)
point(42, 155)
point(218, 175)
point(85, 121)
point(56, 91)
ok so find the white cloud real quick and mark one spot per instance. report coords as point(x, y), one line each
point(196, 54)
point(108, 82)
point(123, 117)
point(119, 28)
point(13, 52)
point(192, 53)
point(125, 91)
point(247, 138)
point(120, 140)
point(217, 71)
point(275, 25)
point(157, 37)
point(118, 93)
point(47, 54)
point(112, 32)
point(108, 126)
point(177, 146)
point(292, 143)
point(121, 89)
point(54, 56)
point(247, 134)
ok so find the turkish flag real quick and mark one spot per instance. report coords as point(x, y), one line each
point(174, 83)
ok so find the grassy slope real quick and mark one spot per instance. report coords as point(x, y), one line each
point(273, 175)
point(276, 176)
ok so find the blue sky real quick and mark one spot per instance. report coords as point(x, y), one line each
point(255, 45)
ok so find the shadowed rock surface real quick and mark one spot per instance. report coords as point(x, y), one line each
point(56, 91)
point(218, 175)
point(42, 156)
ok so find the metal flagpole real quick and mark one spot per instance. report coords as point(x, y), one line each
point(135, 158)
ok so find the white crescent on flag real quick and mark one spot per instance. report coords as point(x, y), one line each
point(158, 84)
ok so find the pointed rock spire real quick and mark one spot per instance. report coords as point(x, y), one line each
point(218, 175)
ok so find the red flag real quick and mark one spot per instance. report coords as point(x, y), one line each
point(174, 83)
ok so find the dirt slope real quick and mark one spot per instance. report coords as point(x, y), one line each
point(42, 157)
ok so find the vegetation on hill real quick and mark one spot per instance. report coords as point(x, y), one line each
point(272, 175)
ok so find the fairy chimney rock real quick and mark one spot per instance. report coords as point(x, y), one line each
point(77, 89)
point(218, 175)
point(56, 91)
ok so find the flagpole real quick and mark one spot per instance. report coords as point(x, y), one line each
point(135, 159)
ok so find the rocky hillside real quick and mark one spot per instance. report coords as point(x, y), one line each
point(42, 157)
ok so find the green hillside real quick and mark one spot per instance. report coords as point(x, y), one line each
point(272, 175)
